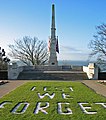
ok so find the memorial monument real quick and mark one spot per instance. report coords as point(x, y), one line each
point(52, 71)
point(53, 42)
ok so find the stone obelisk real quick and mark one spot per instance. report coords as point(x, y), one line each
point(52, 41)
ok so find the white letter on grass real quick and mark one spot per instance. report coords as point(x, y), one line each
point(71, 89)
point(33, 88)
point(23, 109)
point(39, 108)
point(45, 88)
point(84, 108)
point(65, 96)
point(103, 104)
point(69, 111)
point(46, 94)
point(4, 103)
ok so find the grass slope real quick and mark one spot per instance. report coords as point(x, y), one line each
point(80, 94)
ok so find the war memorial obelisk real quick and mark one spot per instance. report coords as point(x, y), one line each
point(53, 46)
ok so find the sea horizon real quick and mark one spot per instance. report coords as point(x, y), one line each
point(63, 62)
point(74, 62)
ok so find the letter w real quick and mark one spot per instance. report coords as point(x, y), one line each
point(46, 94)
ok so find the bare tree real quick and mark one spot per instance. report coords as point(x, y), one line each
point(98, 44)
point(30, 50)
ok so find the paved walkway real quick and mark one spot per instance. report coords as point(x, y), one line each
point(97, 87)
point(8, 87)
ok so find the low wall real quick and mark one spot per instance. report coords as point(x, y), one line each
point(102, 76)
point(14, 70)
point(3, 74)
point(43, 68)
point(77, 68)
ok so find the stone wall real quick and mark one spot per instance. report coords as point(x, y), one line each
point(13, 71)
point(3, 74)
point(102, 76)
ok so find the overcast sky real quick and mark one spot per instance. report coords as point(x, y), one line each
point(75, 23)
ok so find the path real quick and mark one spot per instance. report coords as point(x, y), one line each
point(8, 87)
point(97, 87)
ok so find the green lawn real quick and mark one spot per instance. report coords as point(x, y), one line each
point(68, 94)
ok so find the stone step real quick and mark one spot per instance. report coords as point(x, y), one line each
point(52, 68)
point(52, 75)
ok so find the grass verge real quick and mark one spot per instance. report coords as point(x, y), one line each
point(72, 93)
